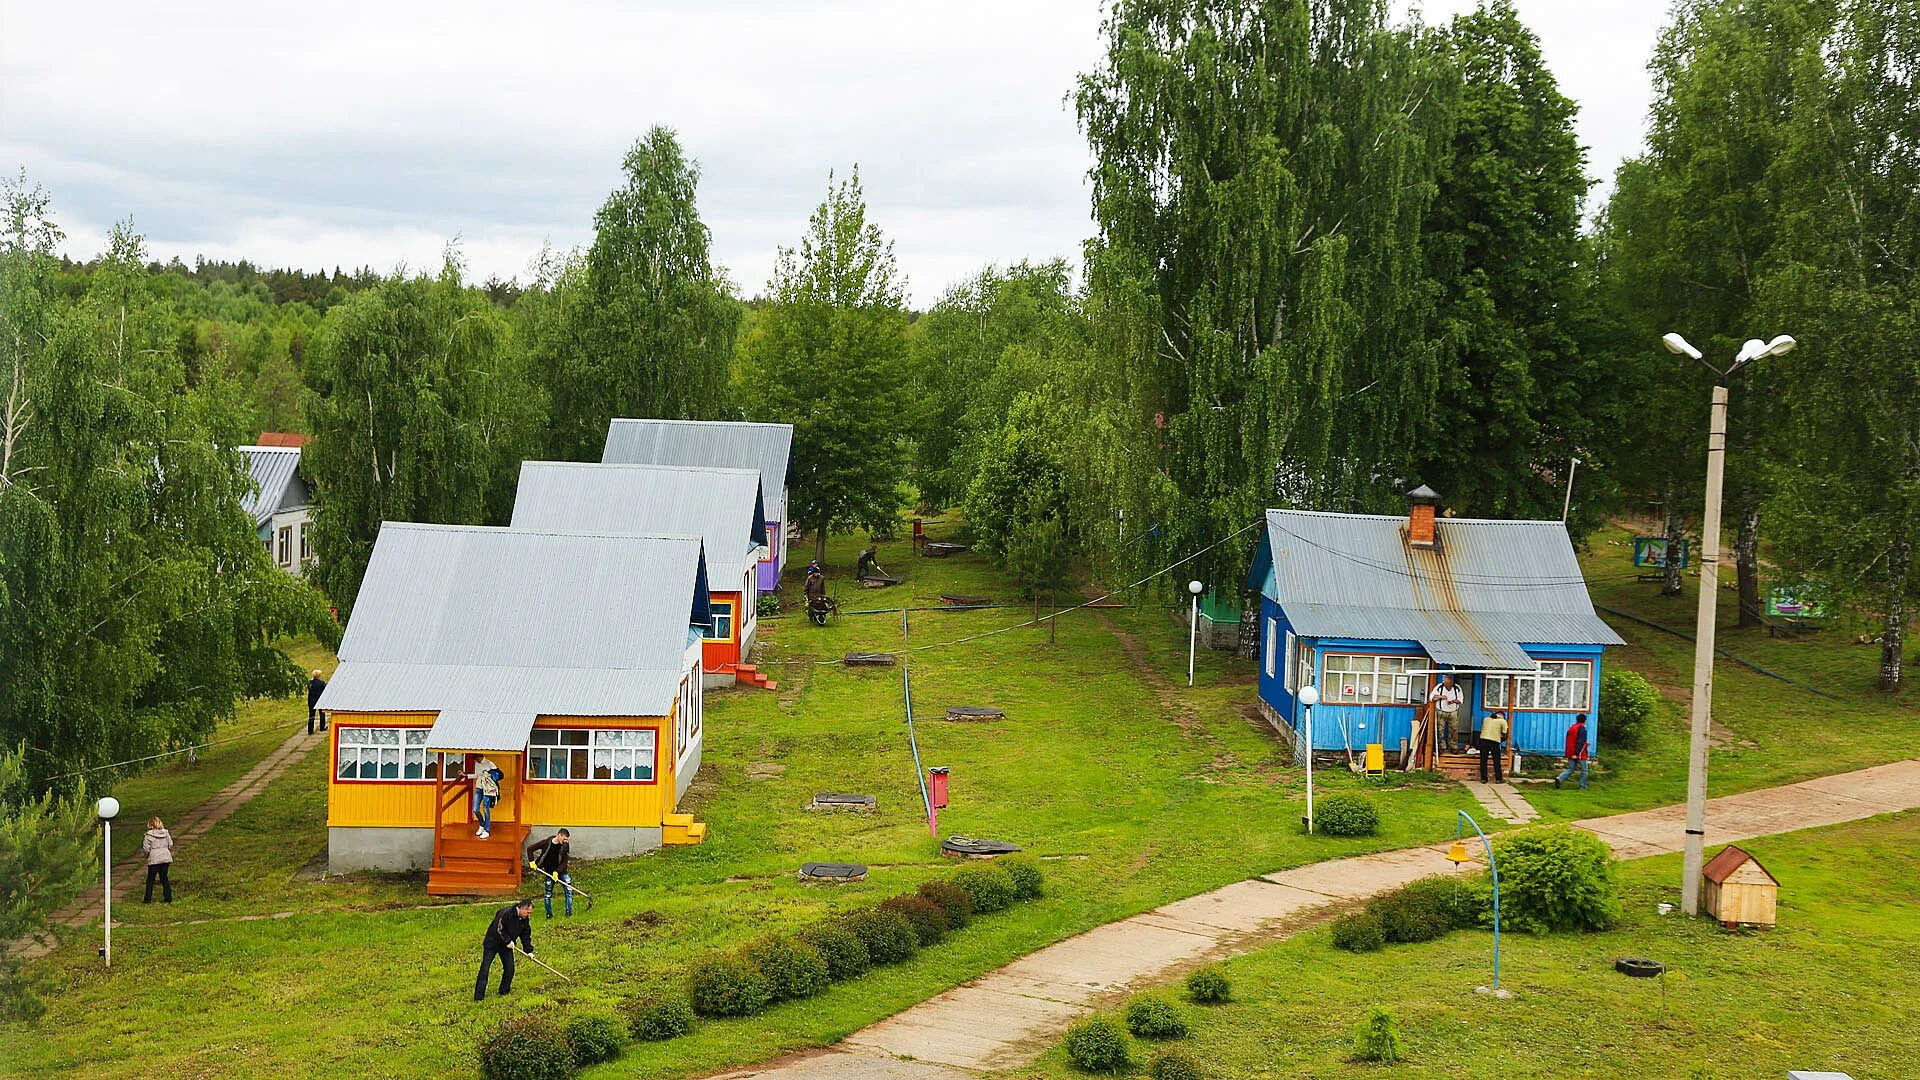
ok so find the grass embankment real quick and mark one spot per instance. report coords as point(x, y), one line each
point(1832, 987)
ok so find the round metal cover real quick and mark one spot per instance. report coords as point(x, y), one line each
point(966, 845)
point(833, 871)
point(1639, 967)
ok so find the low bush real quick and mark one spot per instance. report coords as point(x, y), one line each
point(1028, 882)
point(1098, 1045)
point(1209, 986)
point(928, 920)
point(1408, 915)
point(1358, 932)
point(1346, 815)
point(793, 968)
point(1175, 1065)
point(1455, 897)
point(526, 1047)
point(1556, 878)
point(889, 938)
point(1377, 1038)
point(1155, 1018)
point(846, 955)
point(593, 1039)
point(659, 1019)
point(728, 985)
point(989, 887)
point(768, 605)
point(1628, 703)
point(952, 899)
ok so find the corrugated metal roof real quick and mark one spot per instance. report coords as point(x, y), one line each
point(721, 506)
point(723, 444)
point(510, 620)
point(1485, 589)
point(473, 731)
point(272, 468)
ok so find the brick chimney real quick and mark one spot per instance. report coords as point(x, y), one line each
point(1422, 504)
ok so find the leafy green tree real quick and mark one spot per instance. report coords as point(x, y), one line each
point(1020, 477)
point(47, 854)
point(828, 355)
point(1039, 551)
point(423, 412)
point(646, 322)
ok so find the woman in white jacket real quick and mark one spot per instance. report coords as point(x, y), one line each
point(159, 848)
point(486, 787)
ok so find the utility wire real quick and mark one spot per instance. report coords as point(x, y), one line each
point(165, 753)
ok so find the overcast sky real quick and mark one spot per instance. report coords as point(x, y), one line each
point(371, 133)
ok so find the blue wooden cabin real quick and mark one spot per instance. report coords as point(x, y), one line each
point(1373, 609)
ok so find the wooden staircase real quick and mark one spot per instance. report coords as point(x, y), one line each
point(682, 829)
point(1458, 765)
point(465, 865)
point(752, 676)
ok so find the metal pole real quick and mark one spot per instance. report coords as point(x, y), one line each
point(1309, 709)
point(1495, 868)
point(1703, 654)
point(106, 890)
point(1193, 635)
point(1573, 465)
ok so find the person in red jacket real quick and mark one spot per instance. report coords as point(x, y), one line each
point(1577, 748)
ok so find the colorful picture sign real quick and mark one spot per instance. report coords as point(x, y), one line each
point(1650, 552)
point(1797, 601)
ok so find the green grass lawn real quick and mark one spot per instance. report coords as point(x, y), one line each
point(1832, 987)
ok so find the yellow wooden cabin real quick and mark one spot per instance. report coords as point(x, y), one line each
point(1737, 889)
point(571, 661)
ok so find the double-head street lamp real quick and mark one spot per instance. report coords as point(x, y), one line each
point(1702, 716)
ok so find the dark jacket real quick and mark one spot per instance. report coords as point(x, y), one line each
point(1576, 741)
point(550, 855)
point(315, 687)
point(507, 924)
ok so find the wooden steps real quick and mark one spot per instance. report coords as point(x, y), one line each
point(1461, 766)
point(750, 675)
point(469, 866)
point(682, 829)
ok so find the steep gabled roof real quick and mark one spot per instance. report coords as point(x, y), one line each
point(1485, 589)
point(511, 621)
point(724, 444)
point(274, 469)
point(723, 507)
point(1731, 858)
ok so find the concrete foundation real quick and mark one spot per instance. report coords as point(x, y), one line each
point(601, 841)
point(384, 850)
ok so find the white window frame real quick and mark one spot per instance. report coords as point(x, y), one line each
point(1368, 672)
point(1291, 669)
point(306, 541)
point(1273, 630)
point(285, 555)
point(545, 746)
point(636, 749)
point(401, 749)
point(714, 608)
point(1563, 680)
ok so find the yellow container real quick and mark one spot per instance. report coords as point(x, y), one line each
point(1376, 758)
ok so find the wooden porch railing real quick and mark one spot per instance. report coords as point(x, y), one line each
point(446, 794)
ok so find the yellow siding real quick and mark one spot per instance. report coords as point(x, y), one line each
point(376, 803)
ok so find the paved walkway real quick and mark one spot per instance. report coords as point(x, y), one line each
point(1006, 1017)
point(1503, 801)
point(130, 868)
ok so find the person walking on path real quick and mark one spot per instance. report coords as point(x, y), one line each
point(550, 856)
point(1493, 732)
point(158, 845)
point(486, 792)
point(513, 921)
point(1445, 699)
point(1577, 749)
point(315, 687)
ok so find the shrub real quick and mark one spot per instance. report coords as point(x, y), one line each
point(768, 605)
point(1155, 1018)
point(1358, 932)
point(1028, 882)
point(1377, 1038)
point(793, 968)
point(1627, 706)
point(1175, 1065)
point(1409, 914)
point(526, 1047)
point(929, 922)
point(1454, 896)
point(1346, 815)
point(661, 1018)
point(888, 937)
point(989, 887)
point(1209, 986)
point(728, 985)
point(594, 1039)
point(952, 899)
point(1098, 1045)
point(1557, 878)
point(846, 955)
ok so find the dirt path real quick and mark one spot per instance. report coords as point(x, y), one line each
point(1007, 1017)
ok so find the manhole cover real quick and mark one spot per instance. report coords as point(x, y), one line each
point(832, 871)
point(869, 659)
point(974, 713)
point(1639, 967)
point(835, 800)
point(966, 847)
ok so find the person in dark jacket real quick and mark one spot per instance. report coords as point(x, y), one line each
point(315, 687)
point(513, 921)
point(1578, 750)
point(550, 856)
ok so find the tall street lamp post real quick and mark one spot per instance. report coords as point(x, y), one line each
point(1193, 625)
point(1704, 624)
point(1309, 697)
point(107, 808)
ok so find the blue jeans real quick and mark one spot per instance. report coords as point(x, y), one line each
point(565, 879)
point(486, 811)
point(1581, 764)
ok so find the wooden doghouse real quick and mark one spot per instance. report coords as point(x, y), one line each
point(1739, 889)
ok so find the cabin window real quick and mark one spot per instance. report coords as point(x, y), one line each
point(1292, 666)
point(286, 545)
point(587, 754)
point(306, 541)
point(1273, 631)
point(1354, 679)
point(623, 755)
point(722, 619)
point(385, 753)
point(1303, 673)
point(1560, 686)
point(557, 754)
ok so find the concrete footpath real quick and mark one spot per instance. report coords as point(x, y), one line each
point(1007, 1017)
